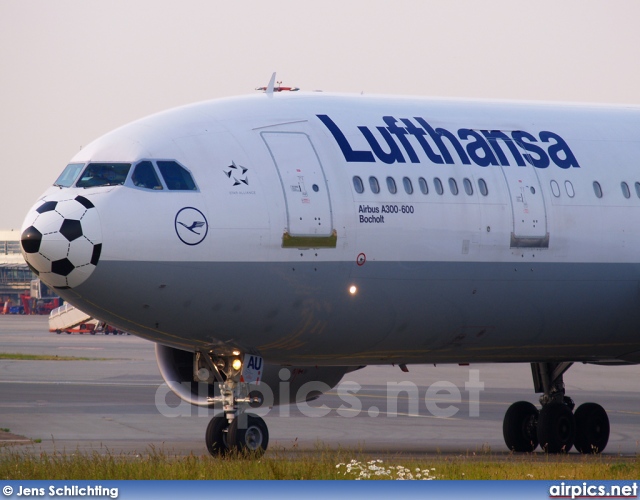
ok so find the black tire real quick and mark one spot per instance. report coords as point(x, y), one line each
point(252, 438)
point(519, 427)
point(556, 428)
point(216, 436)
point(592, 428)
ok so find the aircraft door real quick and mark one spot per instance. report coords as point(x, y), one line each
point(304, 185)
point(528, 207)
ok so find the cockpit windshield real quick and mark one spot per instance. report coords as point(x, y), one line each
point(144, 176)
point(69, 175)
point(176, 177)
point(104, 174)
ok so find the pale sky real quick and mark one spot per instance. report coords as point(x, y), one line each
point(71, 70)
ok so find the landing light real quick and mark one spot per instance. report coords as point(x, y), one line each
point(237, 364)
point(353, 289)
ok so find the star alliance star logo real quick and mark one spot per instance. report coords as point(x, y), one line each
point(238, 173)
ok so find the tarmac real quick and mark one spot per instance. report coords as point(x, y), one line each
point(116, 403)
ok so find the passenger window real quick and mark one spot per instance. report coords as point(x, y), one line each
point(69, 175)
point(638, 189)
point(555, 189)
point(176, 177)
point(569, 188)
point(597, 189)
point(144, 176)
point(391, 185)
point(104, 174)
point(424, 188)
point(625, 190)
point(468, 187)
point(438, 184)
point(453, 186)
point(358, 185)
point(482, 186)
point(408, 186)
point(373, 184)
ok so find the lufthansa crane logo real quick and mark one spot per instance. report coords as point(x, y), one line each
point(191, 226)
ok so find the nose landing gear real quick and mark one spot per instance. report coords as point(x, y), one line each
point(236, 430)
point(556, 428)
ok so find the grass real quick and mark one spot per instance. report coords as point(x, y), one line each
point(45, 357)
point(158, 464)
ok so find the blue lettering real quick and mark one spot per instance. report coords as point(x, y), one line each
point(400, 133)
point(255, 363)
point(483, 147)
point(349, 154)
point(437, 139)
point(542, 160)
point(419, 134)
point(559, 152)
point(478, 145)
point(493, 136)
point(394, 154)
point(455, 143)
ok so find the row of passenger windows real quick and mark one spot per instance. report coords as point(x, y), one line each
point(438, 186)
point(626, 192)
point(597, 189)
point(407, 184)
point(173, 176)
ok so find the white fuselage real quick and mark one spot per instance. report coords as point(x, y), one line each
point(511, 233)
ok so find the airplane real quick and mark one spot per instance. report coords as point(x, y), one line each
point(271, 243)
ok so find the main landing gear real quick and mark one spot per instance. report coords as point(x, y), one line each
point(236, 430)
point(556, 427)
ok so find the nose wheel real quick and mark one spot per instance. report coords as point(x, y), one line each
point(555, 427)
point(216, 436)
point(235, 430)
point(251, 436)
point(246, 433)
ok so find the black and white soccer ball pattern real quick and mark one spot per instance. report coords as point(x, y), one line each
point(63, 242)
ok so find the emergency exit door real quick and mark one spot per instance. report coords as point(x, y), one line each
point(304, 185)
point(528, 207)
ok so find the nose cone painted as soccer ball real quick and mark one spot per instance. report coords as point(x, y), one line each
point(62, 240)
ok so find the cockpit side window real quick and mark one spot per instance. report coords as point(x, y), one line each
point(69, 175)
point(176, 177)
point(144, 176)
point(104, 174)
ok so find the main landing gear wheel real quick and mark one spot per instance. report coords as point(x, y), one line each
point(519, 427)
point(252, 439)
point(217, 436)
point(592, 428)
point(556, 428)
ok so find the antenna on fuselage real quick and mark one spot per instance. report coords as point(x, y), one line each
point(272, 84)
point(271, 88)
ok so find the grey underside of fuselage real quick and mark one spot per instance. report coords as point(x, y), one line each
point(411, 312)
